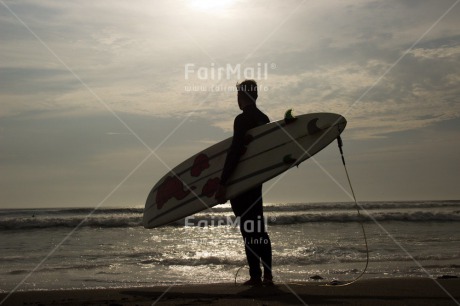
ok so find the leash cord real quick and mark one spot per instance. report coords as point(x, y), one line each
point(335, 283)
point(238, 271)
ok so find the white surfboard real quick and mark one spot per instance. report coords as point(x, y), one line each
point(270, 150)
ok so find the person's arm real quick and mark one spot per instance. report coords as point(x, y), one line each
point(234, 152)
point(233, 156)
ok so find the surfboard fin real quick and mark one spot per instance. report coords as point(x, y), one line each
point(312, 127)
point(288, 117)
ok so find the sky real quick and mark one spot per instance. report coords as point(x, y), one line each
point(100, 99)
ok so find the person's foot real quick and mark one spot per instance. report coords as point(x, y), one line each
point(253, 282)
point(268, 280)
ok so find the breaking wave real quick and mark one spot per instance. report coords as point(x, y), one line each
point(224, 218)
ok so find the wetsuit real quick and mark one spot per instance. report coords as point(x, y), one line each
point(248, 205)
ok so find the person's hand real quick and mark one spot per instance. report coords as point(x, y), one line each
point(220, 194)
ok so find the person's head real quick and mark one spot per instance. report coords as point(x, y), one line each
point(247, 93)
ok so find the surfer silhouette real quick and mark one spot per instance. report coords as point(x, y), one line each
point(248, 206)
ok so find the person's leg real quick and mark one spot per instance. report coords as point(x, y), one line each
point(240, 205)
point(266, 258)
point(262, 246)
point(251, 247)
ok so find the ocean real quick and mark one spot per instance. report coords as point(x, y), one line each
point(68, 248)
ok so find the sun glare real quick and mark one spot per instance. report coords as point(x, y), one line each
point(210, 5)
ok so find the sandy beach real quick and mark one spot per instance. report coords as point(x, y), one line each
point(400, 291)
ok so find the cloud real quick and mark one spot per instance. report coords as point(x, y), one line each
point(131, 60)
point(78, 160)
point(327, 55)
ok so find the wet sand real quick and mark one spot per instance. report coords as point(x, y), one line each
point(399, 291)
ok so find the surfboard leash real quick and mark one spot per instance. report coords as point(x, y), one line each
point(238, 271)
point(336, 283)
